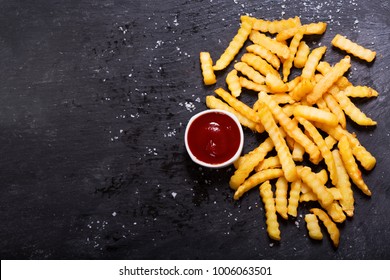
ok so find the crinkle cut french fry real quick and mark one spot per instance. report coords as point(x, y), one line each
point(366, 159)
point(325, 151)
point(315, 114)
point(251, 73)
point(351, 110)
point(328, 80)
point(234, 46)
point(288, 165)
point(329, 224)
point(351, 166)
point(275, 47)
point(347, 200)
point(275, 84)
point(311, 180)
point(281, 197)
point(206, 65)
point(233, 83)
point(312, 62)
point(283, 98)
point(360, 91)
point(273, 26)
point(267, 163)
point(335, 108)
point(287, 64)
point(301, 55)
point(238, 106)
point(330, 141)
point(248, 162)
point(265, 54)
point(298, 152)
point(293, 83)
point(302, 89)
point(258, 64)
point(324, 67)
point(347, 45)
point(248, 84)
point(315, 28)
point(215, 103)
point(291, 127)
point(257, 179)
point(335, 212)
point(293, 199)
point(313, 227)
point(271, 218)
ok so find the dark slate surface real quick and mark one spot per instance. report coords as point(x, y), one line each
point(94, 99)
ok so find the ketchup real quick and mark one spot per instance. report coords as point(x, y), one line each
point(214, 138)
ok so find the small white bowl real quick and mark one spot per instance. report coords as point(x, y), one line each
point(228, 161)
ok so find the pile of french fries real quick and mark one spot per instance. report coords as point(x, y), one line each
point(303, 115)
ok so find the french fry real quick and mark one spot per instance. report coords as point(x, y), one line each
point(287, 64)
point(360, 91)
point(366, 159)
point(275, 47)
point(283, 98)
point(251, 73)
point(335, 108)
point(351, 166)
point(314, 114)
point(257, 179)
point(324, 67)
point(335, 192)
point(344, 185)
point(335, 211)
point(311, 180)
point(291, 127)
point(330, 226)
point(313, 227)
point(234, 46)
point(238, 105)
point(270, 211)
point(288, 165)
point(324, 84)
point(298, 152)
point(347, 45)
point(302, 89)
point(215, 103)
point(265, 54)
point(273, 26)
point(258, 64)
point(325, 151)
point(206, 65)
point(308, 196)
point(275, 84)
point(301, 55)
point(248, 84)
point(312, 62)
point(267, 163)
point(351, 110)
point(293, 83)
point(330, 141)
point(248, 162)
point(233, 83)
point(281, 197)
point(315, 28)
point(293, 199)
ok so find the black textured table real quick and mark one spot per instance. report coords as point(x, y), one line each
point(94, 100)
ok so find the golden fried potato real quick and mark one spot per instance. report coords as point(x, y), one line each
point(347, 45)
point(270, 211)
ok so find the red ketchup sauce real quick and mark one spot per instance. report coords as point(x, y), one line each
point(213, 138)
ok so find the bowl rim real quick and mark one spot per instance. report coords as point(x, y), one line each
point(240, 146)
